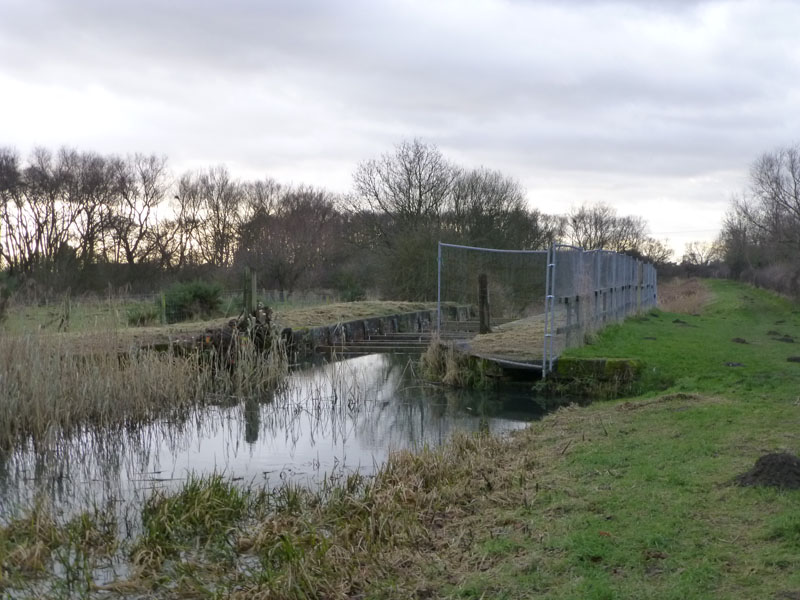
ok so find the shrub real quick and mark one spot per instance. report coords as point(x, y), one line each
point(8, 285)
point(143, 314)
point(191, 300)
point(349, 288)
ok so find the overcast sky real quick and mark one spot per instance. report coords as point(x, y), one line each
point(656, 108)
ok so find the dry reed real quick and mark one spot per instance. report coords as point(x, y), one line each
point(688, 296)
point(51, 387)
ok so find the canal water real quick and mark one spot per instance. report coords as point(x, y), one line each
point(327, 419)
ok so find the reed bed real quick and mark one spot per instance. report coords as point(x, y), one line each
point(50, 386)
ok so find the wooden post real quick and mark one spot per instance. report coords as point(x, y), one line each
point(253, 291)
point(249, 291)
point(483, 304)
point(568, 327)
point(163, 308)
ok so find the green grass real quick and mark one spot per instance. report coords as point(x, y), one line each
point(691, 354)
point(624, 499)
point(643, 506)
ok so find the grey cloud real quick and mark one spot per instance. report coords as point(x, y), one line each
point(672, 89)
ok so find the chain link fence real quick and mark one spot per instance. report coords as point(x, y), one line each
point(528, 306)
point(514, 281)
point(588, 290)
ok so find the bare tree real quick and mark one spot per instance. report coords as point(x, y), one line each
point(591, 227)
point(10, 191)
point(259, 197)
point(533, 230)
point(485, 206)
point(37, 217)
point(599, 227)
point(769, 210)
point(761, 230)
point(701, 254)
point(141, 187)
point(299, 240)
point(91, 189)
point(655, 251)
point(221, 199)
point(407, 188)
point(177, 239)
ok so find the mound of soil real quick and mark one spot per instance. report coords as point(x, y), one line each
point(738, 340)
point(794, 359)
point(780, 469)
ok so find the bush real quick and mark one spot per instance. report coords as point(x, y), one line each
point(349, 288)
point(8, 285)
point(192, 300)
point(143, 314)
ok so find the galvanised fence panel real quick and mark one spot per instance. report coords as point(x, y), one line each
point(559, 296)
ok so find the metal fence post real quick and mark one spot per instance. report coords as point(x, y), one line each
point(546, 312)
point(439, 292)
point(549, 311)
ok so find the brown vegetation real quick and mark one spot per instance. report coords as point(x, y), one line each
point(688, 296)
point(52, 386)
point(521, 340)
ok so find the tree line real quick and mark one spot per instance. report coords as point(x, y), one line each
point(86, 220)
point(760, 237)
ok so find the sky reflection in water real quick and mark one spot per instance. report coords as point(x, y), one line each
point(336, 417)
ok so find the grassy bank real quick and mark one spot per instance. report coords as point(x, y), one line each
point(103, 316)
point(625, 499)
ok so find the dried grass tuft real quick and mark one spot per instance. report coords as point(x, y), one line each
point(688, 296)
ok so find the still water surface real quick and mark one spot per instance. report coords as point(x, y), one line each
point(333, 418)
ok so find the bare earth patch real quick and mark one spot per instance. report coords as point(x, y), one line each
point(780, 469)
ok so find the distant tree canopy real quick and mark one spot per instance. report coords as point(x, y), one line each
point(86, 220)
point(760, 238)
point(599, 226)
point(413, 198)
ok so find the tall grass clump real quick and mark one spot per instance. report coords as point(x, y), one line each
point(142, 314)
point(334, 541)
point(40, 545)
point(445, 364)
point(203, 513)
point(688, 296)
point(242, 370)
point(51, 386)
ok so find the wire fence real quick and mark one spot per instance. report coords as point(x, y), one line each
point(531, 305)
